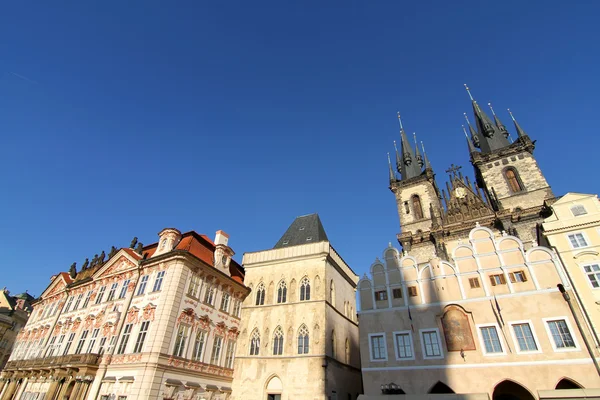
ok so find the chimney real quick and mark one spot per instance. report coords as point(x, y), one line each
point(221, 238)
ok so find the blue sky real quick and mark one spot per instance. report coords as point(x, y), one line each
point(118, 119)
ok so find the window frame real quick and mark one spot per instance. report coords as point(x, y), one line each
point(100, 295)
point(254, 343)
point(123, 292)
point(571, 332)
point(412, 291)
point(160, 277)
point(439, 337)
point(517, 178)
point(304, 292)
point(225, 302)
point(179, 346)
point(585, 238)
point(371, 336)
point(122, 348)
point(141, 289)
point(141, 337)
point(381, 295)
point(578, 206)
point(397, 290)
point(112, 291)
point(587, 274)
point(484, 351)
point(412, 345)
point(86, 302)
point(501, 277)
point(198, 352)
point(217, 344)
point(533, 333)
point(476, 280)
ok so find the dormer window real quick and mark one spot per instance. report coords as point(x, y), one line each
point(285, 242)
point(578, 210)
point(301, 228)
point(163, 244)
point(308, 239)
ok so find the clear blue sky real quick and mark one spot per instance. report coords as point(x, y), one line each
point(121, 118)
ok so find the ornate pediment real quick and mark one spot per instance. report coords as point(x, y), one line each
point(463, 202)
point(116, 265)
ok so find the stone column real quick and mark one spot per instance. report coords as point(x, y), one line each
point(21, 388)
point(52, 389)
point(9, 390)
point(75, 391)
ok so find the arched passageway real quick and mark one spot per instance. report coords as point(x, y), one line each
point(566, 383)
point(440, 388)
point(509, 390)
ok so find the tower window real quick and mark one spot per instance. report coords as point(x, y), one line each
point(416, 203)
point(513, 180)
point(406, 208)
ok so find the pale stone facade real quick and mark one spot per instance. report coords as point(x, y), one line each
point(319, 356)
point(573, 230)
point(158, 324)
point(14, 313)
point(489, 318)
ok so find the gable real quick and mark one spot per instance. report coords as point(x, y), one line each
point(570, 197)
point(120, 262)
point(57, 284)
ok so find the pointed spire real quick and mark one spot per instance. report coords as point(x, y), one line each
point(490, 136)
point(474, 135)
point(392, 175)
point(409, 167)
point(520, 132)
point(425, 159)
point(398, 159)
point(469, 143)
point(469, 92)
point(499, 123)
point(417, 153)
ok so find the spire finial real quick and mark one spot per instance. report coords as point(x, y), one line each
point(415, 139)
point(467, 118)
point(400, 121)
point(511, 115)
point(425, 159)
point(490, 106)
point(389, 161)
point(465, 131)
point(395, 147)
point(469, 91)
point(520, 131)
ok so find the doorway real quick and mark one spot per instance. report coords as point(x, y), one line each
point(274, 397)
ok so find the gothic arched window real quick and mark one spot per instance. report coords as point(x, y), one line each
point(304, 289)
point(512, 178)
point(303, 340)
point(278, 341)
point(255, 343)
point(260, 294)
point(416, 205)
point(281, 292)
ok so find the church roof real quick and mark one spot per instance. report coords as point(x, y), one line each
point(305, 229)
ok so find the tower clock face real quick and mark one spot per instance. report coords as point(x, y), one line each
point(460, 192)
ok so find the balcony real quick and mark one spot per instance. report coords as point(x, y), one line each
point(69, 360)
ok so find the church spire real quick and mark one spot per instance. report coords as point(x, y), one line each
point(491, 137)
point(427, 163)
point(499, 123)
point(409, 168)
point(398, 159)
point(520, 132)
point(392, 175)
point(469, 143)
point(474, 136)
point(417, 153)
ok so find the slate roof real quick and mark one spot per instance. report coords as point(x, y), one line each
point(305, 229)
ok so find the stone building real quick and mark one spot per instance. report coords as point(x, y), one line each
point(14, 312)
point(160, 321)
point(573, 231)
point(471, 304)
point(299, 331)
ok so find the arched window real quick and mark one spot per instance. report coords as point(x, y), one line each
point(512, 178)
point(260, 294)
point(332, 293)
point(303, 340)
point(333, 343)
point(304, 289)
point(281, 292)
point(278, 341)
point(255, 343)
point(347, 351)
point(416, 205)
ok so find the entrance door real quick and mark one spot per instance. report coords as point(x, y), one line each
point(274, 397)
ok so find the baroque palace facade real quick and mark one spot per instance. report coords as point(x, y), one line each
point(471, 303)
point(161, 321)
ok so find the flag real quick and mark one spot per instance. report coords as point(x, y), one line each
point(412, 328)
point(498, 309)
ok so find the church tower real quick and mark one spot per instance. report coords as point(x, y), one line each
point(417, 196)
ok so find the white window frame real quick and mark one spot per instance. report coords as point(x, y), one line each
point(482, 340)
point(587, 241)
point(575, 206)
point(425, 356)
point(571, 331)
point(533, 332)
point(582, 266)
point(412, 345)
point(384, 347)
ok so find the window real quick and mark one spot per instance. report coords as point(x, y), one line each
point(474, 282)
point(304, 289)
point(81, 342)
point(225, 302)
point(229, 354)
point(139, 344)
point(237, 306)
point(124, 289)
point(278, 341)
point(158, 281)
point(281, 292)
point(578, 210)
point(180, 340)
point(561, 334)
point(403, 342)
point(216, 351)
point(593, 273)
point(332, 293)
point(431, 344)
point(69, 342)
point(512, 178)
point(124, 339)
point(111, 292)
point(303, 340)
point(577, 240)
point(260, 294)
point(397, 293)
point(412, 291)
point(255, 343)
point(194, 289)
point(517, 276)
point(93, 340)
point(101, 346)
point(87, 299)
point(50, 351)
point(199, 345)
point(381, 295)
point(378, 348)
point(69, 302)
point(209, 297)
point(524, 337)
point(100, 295)
point(491, 341)
point(77, 302)
point(417, 209)
point(142, 287)
point(497, 279)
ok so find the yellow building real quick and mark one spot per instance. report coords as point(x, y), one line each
point(573, 230)
point(14, 312)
